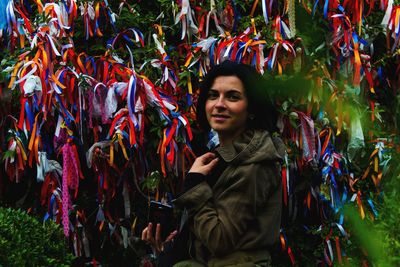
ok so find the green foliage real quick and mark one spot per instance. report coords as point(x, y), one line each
point(152, 181)
point(311, 30)
point(389, 216)
point(24, 241)
point(367, 236)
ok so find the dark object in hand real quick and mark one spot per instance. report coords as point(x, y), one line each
point(163, 214)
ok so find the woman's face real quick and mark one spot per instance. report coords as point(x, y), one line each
point(226, 107)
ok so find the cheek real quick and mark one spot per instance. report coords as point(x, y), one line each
point(241, 109)
point(208, 109)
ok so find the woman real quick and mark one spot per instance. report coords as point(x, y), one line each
point(233, 194)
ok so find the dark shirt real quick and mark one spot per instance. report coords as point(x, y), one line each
point(178, 249)
point(194, 179)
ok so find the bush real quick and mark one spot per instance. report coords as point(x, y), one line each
point(24, 241)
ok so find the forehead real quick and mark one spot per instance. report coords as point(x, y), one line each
point(228, 83)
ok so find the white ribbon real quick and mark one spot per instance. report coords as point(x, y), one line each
point(58, 127)
point(127, 204)
point(111, 103)
point(61, 13)
point(85, 241)
point(53, 46)
point(388, 12)
point(264, 9)
point(212, 5)
point(274, 54)
point(97, 103)
point(328, 242)
point(12, 147)
point(10, 16)
point(206, 43)
point(32, 84)
point(26, 76)
point(158, 44)
point(124, 234)
point(380, 146)
point(42, 166)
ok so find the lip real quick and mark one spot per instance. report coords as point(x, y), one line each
point(220, 117)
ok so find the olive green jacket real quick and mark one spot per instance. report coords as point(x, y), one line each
point(241, 213)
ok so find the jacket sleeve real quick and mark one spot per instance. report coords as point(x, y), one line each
point(219, 224)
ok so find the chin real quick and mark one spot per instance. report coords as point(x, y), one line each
point(219, 128)
point(222, 131)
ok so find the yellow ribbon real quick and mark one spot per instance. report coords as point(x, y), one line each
point(14, 74)
point(111, 160)
point(121, 143)
point(22, 150)
point(190, 89)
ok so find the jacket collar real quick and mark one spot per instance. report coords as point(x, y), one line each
point(252, 146)
point(247, 141)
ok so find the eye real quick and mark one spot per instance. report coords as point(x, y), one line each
point(234, 96)
point(212, 94)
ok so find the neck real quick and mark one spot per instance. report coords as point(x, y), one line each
point(228, 138)
point(225, 142)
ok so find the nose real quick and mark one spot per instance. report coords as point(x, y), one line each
point(220, 102)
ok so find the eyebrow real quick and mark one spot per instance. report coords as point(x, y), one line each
point(233, 90)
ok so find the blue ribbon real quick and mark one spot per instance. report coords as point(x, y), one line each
point(212, 54)
point(189, 99)
point(239, 53)
point(68, 118)
point(282, 30)
point(52, 201)
point(131, 100)
point(35, 102)
point(128, 40)
point(101, 180)
point(333, 181)
point(65, 5)
point(254, 60)
point(91, 59)
point(371, 204)
point(139, 32)
point(315, 7)
point(363, 41)
point(29, 114)
point(236, 15)
point(380, 74)
point(3, 14)
point(125, 135)
point(270, 64)
point(326, 5)
point(96, 26)
point(344, 196)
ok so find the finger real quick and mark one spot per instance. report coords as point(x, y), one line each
point(209, 166)
point(144, 234)
point(200, 164)
point(150, 232)
point(207, 157)
point(158, 234)
point(171, 236)
point(212, 163)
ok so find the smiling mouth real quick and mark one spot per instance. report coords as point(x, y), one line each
point(220, 116)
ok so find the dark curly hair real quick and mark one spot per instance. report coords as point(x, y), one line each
point(256, 89)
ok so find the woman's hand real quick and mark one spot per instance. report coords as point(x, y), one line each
point(204, 164)
point(155, 242)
